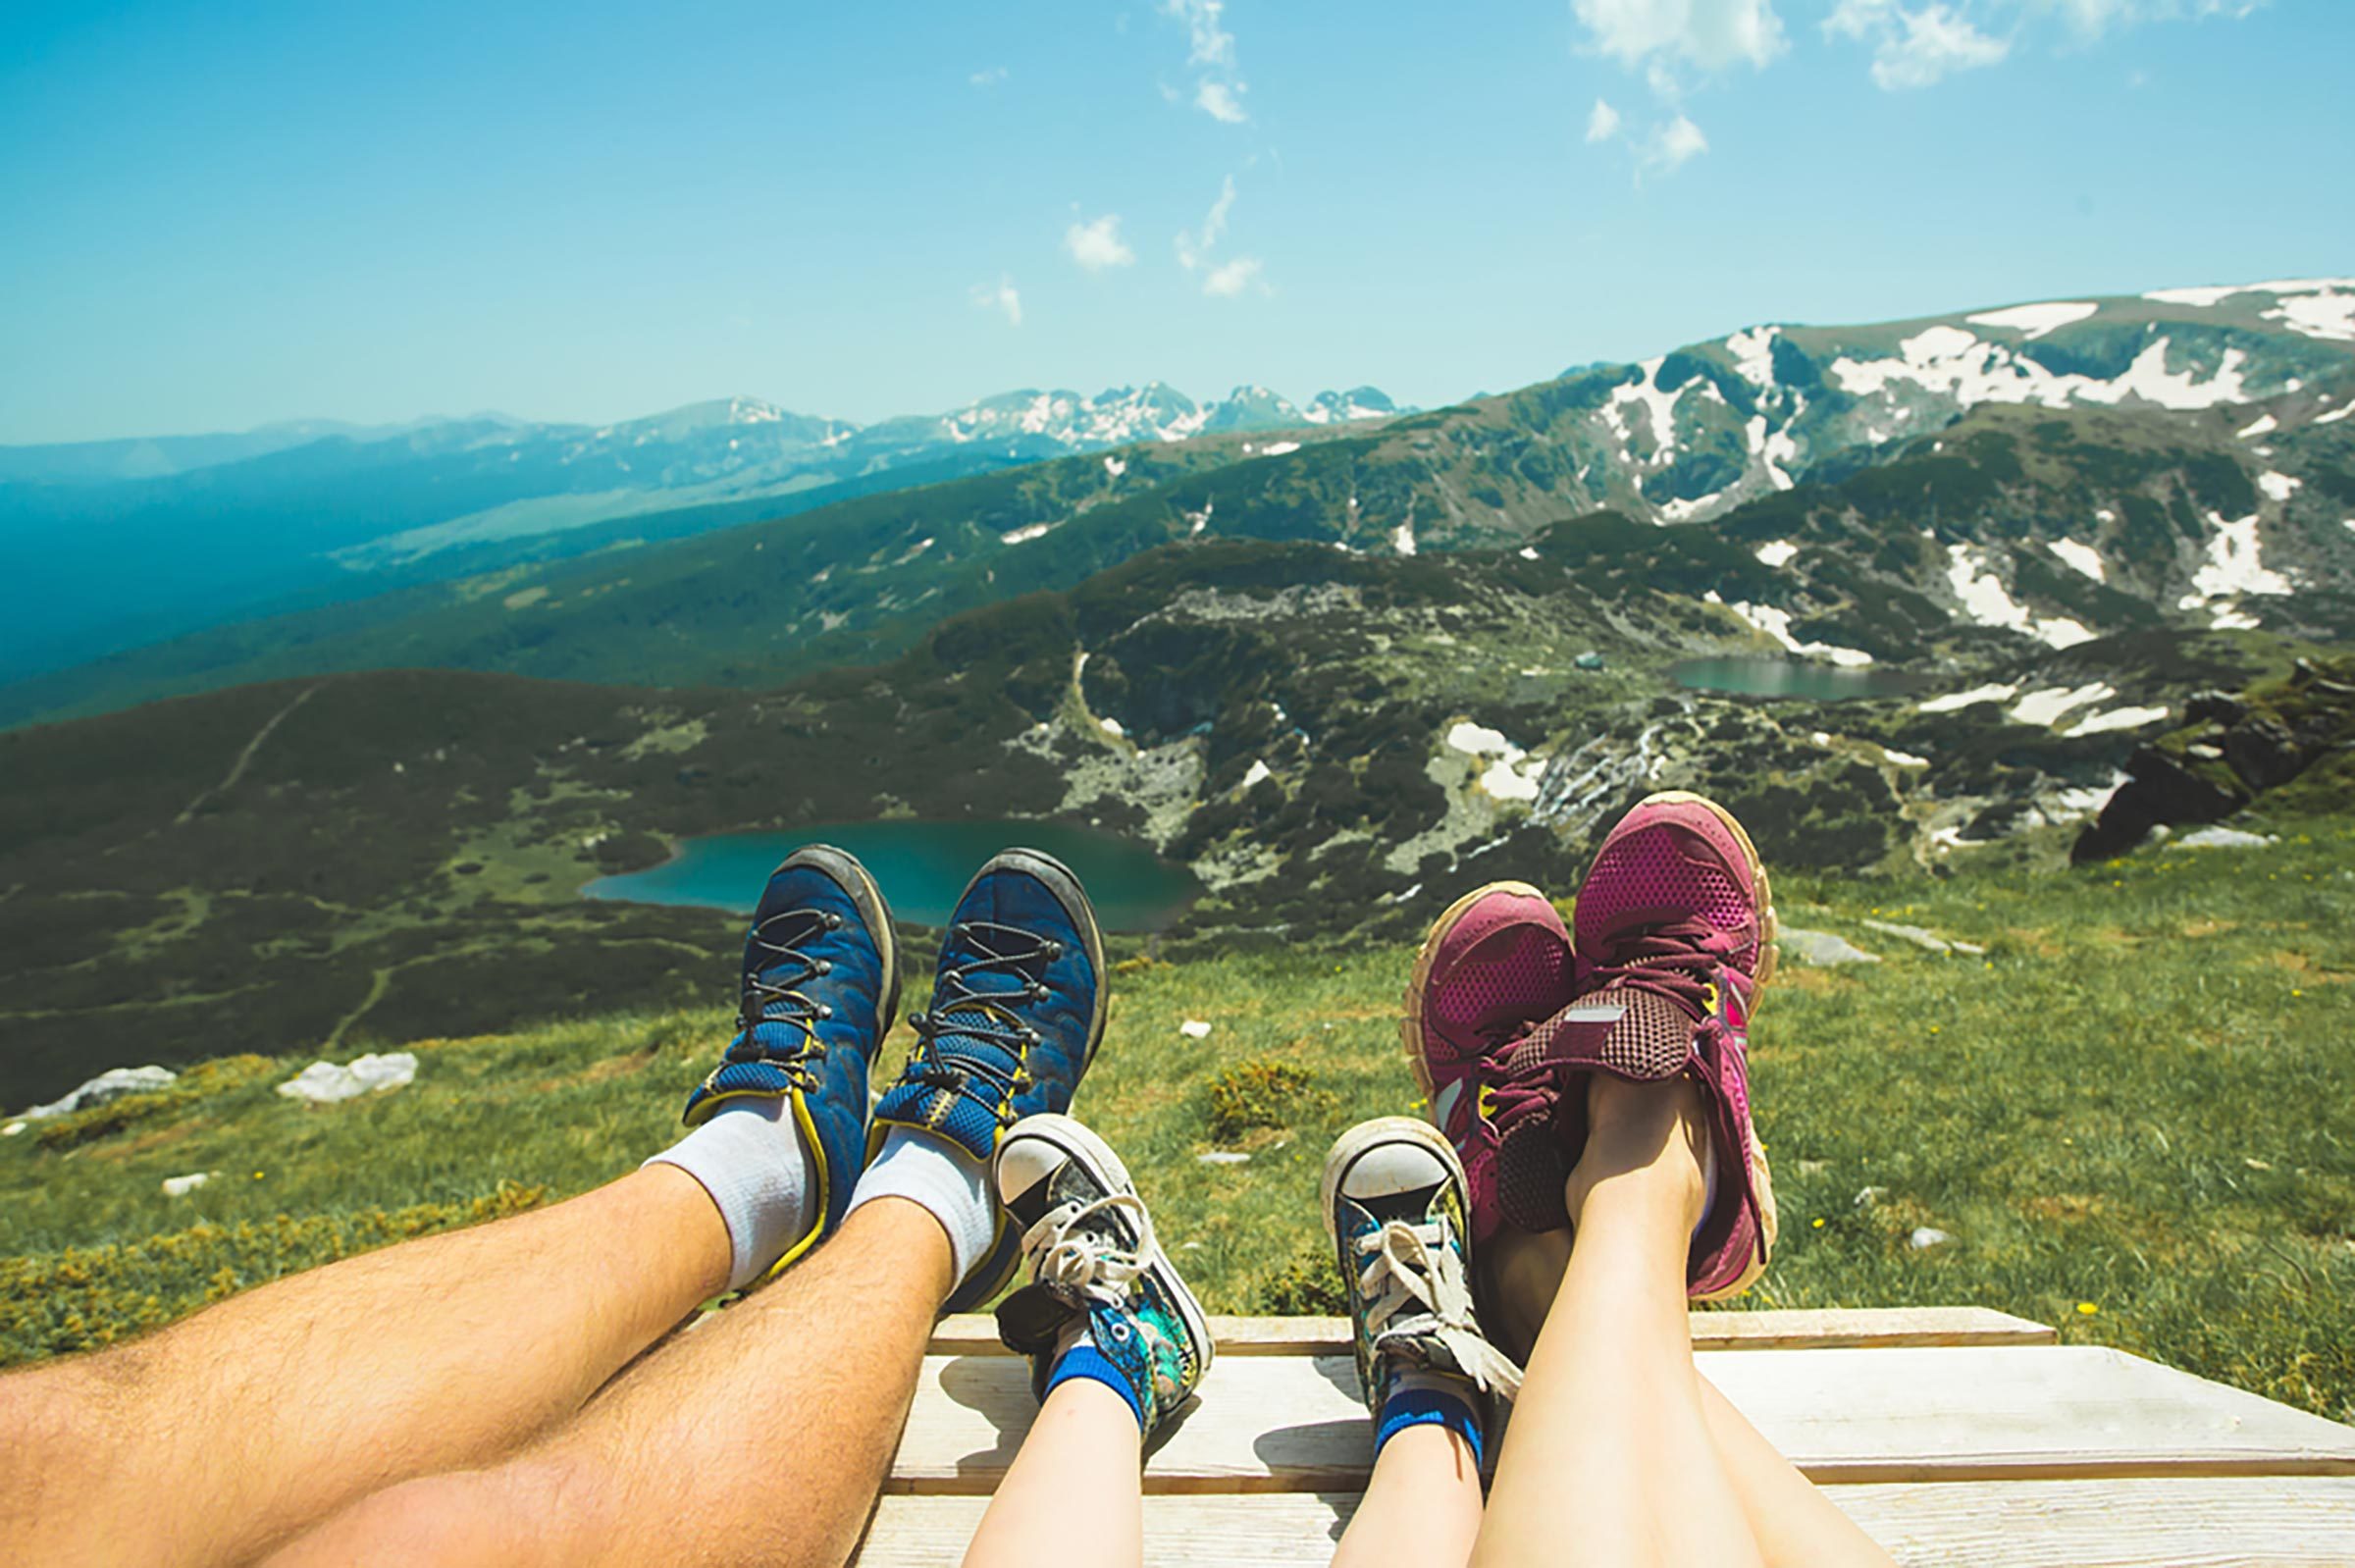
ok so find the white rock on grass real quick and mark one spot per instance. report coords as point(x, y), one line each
point(1927, 941)
point(179, 1186)
point(1926, 1237)
point(1194, 1030)
point(1223, 1157)
point(13, 1128)
point(1824, 948)
point(112, 1084)
point(2222, 838)
point(324, 1082)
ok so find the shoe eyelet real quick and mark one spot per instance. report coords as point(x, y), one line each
point(833, 921)
point(825, 965)
point(1120, 1332)
point(826, 1011)
point(1054, 950)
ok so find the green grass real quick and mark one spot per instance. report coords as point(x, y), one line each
point(2130, 1115)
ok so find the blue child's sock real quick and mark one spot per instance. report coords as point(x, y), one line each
point(1077, 1357)
point(1429, 1399)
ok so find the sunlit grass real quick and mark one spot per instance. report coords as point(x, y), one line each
point(2131, 1116)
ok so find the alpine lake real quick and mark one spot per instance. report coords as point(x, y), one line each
point(1791, 677)
point(923, 867)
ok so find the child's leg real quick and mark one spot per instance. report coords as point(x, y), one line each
point(1116, 1342)
point(1073, 1494)
point(1422, 1505)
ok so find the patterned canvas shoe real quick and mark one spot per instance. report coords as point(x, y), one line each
point(1675, 932)
point(1393, 1201)
point(1018, 1007)
point(1495, 962)
point(820, 987)
point(1088, 1249)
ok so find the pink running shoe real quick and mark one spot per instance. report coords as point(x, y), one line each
point(1494, 963)
point(1675, 930)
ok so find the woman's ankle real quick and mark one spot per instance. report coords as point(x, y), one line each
point(1646, 1141)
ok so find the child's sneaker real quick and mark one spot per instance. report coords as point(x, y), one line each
point(1675, 933)
point(1495, 963)
point(1393, 1201)
point(1102, 1299)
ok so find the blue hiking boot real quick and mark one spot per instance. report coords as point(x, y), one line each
point(821, 988)
point(1017, 1006)
point(1094, 1267)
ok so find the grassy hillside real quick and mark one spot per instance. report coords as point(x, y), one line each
point(2130, 1115)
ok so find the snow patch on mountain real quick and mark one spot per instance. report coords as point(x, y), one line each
point(2079, 557)
point(2235, 566)
point(1776, 552)
point(1775, 622)
point(1753, 355)
point(2116, 718)
point(2036, 320)
point(2281, 487)
point(1986, 601)
point(2045, 706)
point(1953, 701)
point(1951, 361)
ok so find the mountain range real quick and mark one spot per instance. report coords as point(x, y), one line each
point(220, 525)
point(1335, 669)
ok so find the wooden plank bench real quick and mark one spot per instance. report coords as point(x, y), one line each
point(1953, 1434)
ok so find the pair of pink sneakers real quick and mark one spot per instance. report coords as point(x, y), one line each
point(1506, 1017)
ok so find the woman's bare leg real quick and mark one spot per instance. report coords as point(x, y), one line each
point(1610, 1429)
point(1422, 1505)
point(1796, 1524)
point(1075, 1494)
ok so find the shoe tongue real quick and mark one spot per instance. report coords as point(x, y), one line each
point(1622, 1030)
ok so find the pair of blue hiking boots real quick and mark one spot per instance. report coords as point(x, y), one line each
point(1017, 1012)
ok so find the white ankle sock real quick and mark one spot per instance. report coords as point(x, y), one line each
point(753, 1160)
point(949, 1182)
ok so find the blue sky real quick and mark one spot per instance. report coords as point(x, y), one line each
point(594, 211)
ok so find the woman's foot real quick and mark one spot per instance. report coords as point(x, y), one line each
point(1675, 932)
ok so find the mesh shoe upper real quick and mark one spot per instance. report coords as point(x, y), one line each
point(1496, 961)
point(817, 991)
point(1674, 936)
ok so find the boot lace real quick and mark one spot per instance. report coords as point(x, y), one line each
point(963, 1008)
point(1416, 1294)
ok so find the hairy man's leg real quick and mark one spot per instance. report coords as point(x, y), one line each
point(208, 1442)
point(761, 1438)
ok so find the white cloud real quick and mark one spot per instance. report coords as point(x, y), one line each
point(1231, 277)
point(2091, 19)
point(1710, 34)
point(1001, 297)
point(1918, 46)
point(1213, 44)
point(1221, 102)
point(1193, 249)
point(1602, 124)
point(1915, 48)
point(989, 77)
point(1674, 144)
point(1096, 243)
point(1210, 49)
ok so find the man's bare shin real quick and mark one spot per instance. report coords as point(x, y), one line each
point(252, 1420)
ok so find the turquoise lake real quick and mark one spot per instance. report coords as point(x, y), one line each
point(1791, 677)
point(921, 866)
